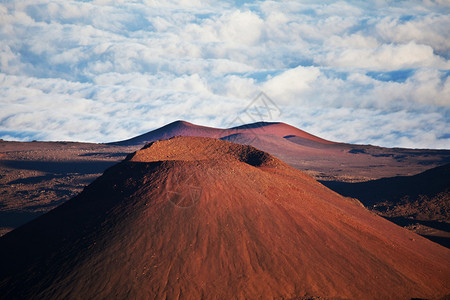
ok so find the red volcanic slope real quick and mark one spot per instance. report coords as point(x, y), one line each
point(199, 218)
point(183, 128)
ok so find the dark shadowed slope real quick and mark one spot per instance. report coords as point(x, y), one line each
point(393, 189)
point(420, 202)
point(199, 218)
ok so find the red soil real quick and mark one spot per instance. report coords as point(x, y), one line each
point(253, 228)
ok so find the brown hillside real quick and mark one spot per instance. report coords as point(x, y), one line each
point(198, 218)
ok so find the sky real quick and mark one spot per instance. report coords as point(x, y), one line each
point(366, 72)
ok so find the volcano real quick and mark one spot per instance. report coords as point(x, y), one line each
point(183, 128)
point(194, 217)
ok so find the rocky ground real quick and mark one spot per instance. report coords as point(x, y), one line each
point(38, 176)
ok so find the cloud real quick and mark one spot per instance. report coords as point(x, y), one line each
point(231, 28)
point(387, 57)
point(425, 30)
point(291, 84)
point(106, 70)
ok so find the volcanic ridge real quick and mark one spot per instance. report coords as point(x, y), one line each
point(195, 217)
point(183, 128)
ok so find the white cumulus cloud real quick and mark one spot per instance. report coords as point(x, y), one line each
point(105, 70)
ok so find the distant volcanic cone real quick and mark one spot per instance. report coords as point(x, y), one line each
point(197, 218)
